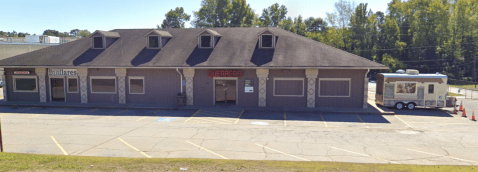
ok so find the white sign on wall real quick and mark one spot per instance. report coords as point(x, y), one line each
point(62, 72)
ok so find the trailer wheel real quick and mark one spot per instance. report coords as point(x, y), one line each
point(411, 106)
point(399, 106)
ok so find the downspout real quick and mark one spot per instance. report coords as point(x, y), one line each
point(177, 70)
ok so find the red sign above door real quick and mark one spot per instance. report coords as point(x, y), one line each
point(224, 73)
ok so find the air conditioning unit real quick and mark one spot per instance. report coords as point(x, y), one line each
point(412, 72)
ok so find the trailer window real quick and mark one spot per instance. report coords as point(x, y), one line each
point(406, 88)
point(431, 89)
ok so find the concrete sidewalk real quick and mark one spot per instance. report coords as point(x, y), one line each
point(370, 110)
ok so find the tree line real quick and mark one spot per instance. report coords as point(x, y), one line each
point(50, 32)
point(428, 35)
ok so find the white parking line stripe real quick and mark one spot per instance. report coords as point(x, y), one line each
point(207, 150)
point(58, 144)
point(134, 148)
point(282, 152)
point(459, 159)
point(364, 155)
point(404, 122)
point(210, 121)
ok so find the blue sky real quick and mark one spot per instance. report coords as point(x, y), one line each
point(34, 16)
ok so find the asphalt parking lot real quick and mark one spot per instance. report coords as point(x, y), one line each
point(423, 136)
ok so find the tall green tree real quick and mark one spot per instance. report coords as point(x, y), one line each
point(213, 13)
point(240, 14)
point(175, 18)
point(273, 15)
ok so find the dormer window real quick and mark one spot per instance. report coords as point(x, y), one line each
point(267, 39)
point(157, 39)
point(205, 41)
point(103, 39)
point(208, 38)
point(153, 41)
point(98, 42)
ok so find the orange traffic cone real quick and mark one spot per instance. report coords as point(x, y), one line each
point(473, 116)
point(461, 106)
point(464, 113)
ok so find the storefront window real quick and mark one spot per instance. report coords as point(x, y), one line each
point(406, 87)
point(25, 84)
point(289, 87)
point(334, 87)
point(72, 85)
point(136, 85)
point(103, 85)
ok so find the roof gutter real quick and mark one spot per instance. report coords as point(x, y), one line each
point(195, 67)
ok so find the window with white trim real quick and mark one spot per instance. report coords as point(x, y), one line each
point(98, 42)
point(205, 41)
point(136, 85)
point(406, 88)
point(25, 84)
point(267, 41)
point(334, 87)
point(72, 85)
point(153, 41)
point(291, 87)
point(103, 84)
point(431, 89)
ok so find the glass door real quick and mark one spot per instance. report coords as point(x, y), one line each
point(225, 91)
point(57, 89)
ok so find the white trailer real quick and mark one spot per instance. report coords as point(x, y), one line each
point(410, 89)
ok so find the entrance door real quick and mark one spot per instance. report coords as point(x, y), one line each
point(57, 89)
point(225, 91)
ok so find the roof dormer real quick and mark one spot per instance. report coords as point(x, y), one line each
point(267, 39)
point(208, 39)
point(103, 39)
point(156, 39)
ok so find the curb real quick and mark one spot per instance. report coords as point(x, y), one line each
point(178, 108)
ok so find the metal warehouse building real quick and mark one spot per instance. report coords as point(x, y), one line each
point(236, 66)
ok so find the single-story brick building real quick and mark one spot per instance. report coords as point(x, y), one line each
point(215, 66)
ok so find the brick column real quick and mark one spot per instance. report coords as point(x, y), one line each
point(311, 75)
point(121, 74)
point(189, 74)
point(262, 74)
point(41, 73)
point(83, 75)
point(4, 79)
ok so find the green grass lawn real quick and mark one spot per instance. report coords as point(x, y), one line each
point(33, 162)
point(454, 94)
point(473, 87)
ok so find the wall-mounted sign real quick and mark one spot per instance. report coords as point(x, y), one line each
point(62, 72)
point(21, 72)
point(248, 85)
point(224, 73)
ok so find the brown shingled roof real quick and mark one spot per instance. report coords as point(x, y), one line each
point(237, 47)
